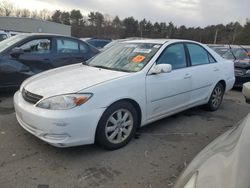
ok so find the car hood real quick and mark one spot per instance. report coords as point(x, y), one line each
point(69, 79)
point(224, 162)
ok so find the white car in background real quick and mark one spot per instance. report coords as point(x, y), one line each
point(224, 163)
point(127, 86)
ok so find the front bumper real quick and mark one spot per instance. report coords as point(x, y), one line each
point(240, 80)
point(61, 128)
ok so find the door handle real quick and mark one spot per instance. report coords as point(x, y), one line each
point(187, 76)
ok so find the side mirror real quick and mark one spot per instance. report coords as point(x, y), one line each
point(16, 52)
point(161, 68)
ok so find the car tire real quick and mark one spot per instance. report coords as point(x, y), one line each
point(216, 97)
point(117, 126)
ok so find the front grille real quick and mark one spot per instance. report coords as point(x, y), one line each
point(31, 97)
point(239, 72)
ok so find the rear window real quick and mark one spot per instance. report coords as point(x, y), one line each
point(67, 46)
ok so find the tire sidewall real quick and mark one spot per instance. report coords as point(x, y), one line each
point(210, 105)
point(101, 138)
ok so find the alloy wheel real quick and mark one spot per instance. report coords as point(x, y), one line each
point(119, 126)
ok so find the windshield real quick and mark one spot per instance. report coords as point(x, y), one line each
point(127, 57)
point(235, 53)
point(10, 41)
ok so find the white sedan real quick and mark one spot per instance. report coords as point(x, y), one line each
point(130, 85)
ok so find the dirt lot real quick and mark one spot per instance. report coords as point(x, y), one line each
point(153, 159)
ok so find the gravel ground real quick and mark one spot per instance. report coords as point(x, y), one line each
point(154, 159)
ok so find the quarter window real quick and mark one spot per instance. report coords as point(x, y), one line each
point(67, 46)
point(37, 46)
point(83, 48)
point(199, 55)
point(173, 55)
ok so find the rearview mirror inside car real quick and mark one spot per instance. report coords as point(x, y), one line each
point(16, 52)
point(161, 68)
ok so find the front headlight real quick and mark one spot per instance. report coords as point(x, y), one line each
point(192, 181)
point(64, 102)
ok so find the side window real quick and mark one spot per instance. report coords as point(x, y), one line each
point(211, 59)
point(174, 55)
point(198, 54)
point(40, 46)
point(67, 46)
point(83, 48)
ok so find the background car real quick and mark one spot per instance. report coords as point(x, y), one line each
point(220, 49)
point(3, 35)
point(121, 89)
point(224, 162)
point(24, 55)
point(241, 57)
point(99, 43)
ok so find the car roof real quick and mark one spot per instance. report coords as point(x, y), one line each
point(157, 41)
point(45, 34)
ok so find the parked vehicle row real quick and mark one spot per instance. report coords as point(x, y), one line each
point(121, 89)
point(240, 55)
point(99, 43)
point(25, 55)
point(104, 98)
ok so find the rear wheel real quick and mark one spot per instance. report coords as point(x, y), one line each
point(117, 126)
point(216, 97)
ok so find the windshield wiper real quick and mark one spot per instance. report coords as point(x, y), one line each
point(109, 68)
point(102, 67)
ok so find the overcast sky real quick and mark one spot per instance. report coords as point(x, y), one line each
point(181, 12)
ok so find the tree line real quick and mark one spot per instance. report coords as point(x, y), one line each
point(96, 24)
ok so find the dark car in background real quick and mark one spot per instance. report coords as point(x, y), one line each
point(99, 43)
point(25, 55)
point(241, 57)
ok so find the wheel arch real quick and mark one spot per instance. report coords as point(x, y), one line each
point(134, 104)
point(223, 82)
point(128, 100)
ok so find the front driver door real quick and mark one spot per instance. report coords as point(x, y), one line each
point(169, 92)
point(34, 59)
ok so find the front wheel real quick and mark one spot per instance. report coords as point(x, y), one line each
point(216, 97)
point(117, 126)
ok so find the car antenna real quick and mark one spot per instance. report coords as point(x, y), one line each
point(230, 48)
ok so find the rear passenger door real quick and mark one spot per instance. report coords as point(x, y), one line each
point(66, 53)
point(205, 72)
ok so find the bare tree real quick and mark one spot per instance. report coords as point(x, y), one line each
point(44, 14)
point(6, 8)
